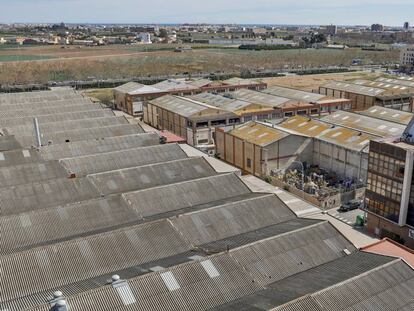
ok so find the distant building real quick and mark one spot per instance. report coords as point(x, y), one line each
point(145, 37)
point(377, 27)
point(131, 96)
point(278, 41)
point(406, 25)
point(392, 93)
point(407, 57)
point(331, 30)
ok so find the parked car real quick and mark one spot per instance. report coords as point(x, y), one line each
point(351, 205)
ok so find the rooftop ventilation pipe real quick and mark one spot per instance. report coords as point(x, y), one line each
point(37, 132)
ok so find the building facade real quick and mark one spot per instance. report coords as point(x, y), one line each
point(390, 191)
point(258, 149)
point(407, 58)
point(191, 120)
point(130, 97)
point(362, 95)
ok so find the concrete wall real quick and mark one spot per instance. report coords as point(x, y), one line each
point(344, 162)
point(260, 161)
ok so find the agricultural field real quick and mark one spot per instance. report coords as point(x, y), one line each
point(83, 63)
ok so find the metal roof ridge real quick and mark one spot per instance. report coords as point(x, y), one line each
point(262, 195)
point(197, 102)
point(86, 238)
point(119, 151)
point(147, 165)
point(180, 182)
point(285, 233)
point(390, 263)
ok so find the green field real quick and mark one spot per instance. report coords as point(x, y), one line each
point(21, 58)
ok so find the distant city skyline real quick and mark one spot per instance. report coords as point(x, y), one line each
point(301, 12)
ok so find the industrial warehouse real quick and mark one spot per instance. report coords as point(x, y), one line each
point(101, 215)
point(337, 142)
point(363, 94)
point(130, 97)
point(196, 117)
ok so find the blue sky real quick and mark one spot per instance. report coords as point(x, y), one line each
point(343, 12)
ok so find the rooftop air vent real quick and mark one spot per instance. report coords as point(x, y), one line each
point(58, 302)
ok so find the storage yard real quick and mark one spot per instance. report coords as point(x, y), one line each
point(101, 215)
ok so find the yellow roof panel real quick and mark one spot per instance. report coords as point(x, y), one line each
point(258, 134)
point(304, 125)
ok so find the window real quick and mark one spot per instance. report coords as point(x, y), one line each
point(314, 111)
point(301, 112)
point(262, 117)
point(288, 114)
point(203, 141)
point(249, 163)
point(218, 122)
point(247, 118)
point(235, 120)
point(202, 124)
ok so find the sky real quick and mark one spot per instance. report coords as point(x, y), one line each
point(296, 12)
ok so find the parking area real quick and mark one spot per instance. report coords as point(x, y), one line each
point(346, 217)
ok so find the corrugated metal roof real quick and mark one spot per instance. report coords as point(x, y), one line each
point(45, 225)
point(258, 134)
point(220, 101)
point(346, 138)
point(45, 111)
point(260, 98)
point(116, 160)
point(190, 286)
point(20, 156)
point(46, 104)
point(295, 94)
point(30, 172)
point(305, 125)
point(240, 81)
point(9, 143)
point(65, 125)
point(232, 218)
point(318, 278)
point(400, 81)
point(388, 114)
point(365, 124)
point(63, 137)
point(128, 87)
point(389, 287)
point(89, 147)
point(175, 85)
point(355, 88)
point(178, 105)
point(57, 117)
point(152, 175)
point(38, 96)
point(389, 87)
point(80, 259)
point(181, 195)
point(43, 194)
